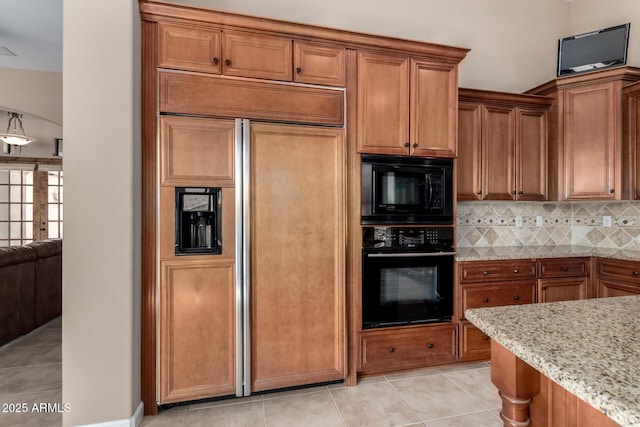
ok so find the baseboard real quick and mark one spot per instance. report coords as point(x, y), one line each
point(134, 421)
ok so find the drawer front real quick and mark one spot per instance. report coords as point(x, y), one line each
point(497, 270)
point(626, 270)
point(563, 267)
point(390, 350)
point(474, 344)
point(498, 294)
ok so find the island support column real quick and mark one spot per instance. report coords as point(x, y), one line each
point(517, 382)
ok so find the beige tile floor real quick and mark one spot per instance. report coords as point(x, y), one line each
point(31, 373)
point(458, 396)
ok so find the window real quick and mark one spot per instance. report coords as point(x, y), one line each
point(16, 206)
point(30, 201)
point(54, 204)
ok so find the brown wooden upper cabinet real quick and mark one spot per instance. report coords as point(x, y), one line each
point(630, 149)
point(406, 105)
point(586, 141)
point(245, 54)
point(502, 141)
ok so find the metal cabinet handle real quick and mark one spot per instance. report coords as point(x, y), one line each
point(415, 145)
point(391, 349)
point(485, 299)
point(564, 268)
point(215, 61)
point(520, 192)
point(479, 192)
point(516, 271)
point(429, 345)
point(406, 144)
point(635, 273)
point(486, 337)
point(544, 288)
point(486, 273)
point(516, 298)
point(513, 192)
point(227, 61)
point(298, 70)
point(613, 190)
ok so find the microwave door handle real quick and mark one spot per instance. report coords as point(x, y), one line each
point(428, 190)
point(410, 254)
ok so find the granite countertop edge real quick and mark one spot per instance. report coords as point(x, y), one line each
point(512, 327)
point(545, 251)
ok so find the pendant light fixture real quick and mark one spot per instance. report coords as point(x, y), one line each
point(15, 132)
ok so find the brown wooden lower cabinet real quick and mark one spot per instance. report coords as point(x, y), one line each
point(197, 329)
point(617, 278)
point(397, 349)
point(474, 344)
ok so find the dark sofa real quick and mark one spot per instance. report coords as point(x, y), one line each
point(30, 287)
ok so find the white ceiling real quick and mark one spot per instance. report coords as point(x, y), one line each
point(32, 29)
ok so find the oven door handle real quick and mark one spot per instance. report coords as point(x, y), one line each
point(409, 254)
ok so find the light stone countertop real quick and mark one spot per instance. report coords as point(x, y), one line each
point(589, 347)
point(533, 252)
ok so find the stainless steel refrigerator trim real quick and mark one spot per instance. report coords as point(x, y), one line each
point(410, 254)
point(239, 259)
point(246, 276)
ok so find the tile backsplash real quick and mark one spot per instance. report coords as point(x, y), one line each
point(482, 224)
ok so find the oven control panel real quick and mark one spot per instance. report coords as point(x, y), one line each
point(407, 237)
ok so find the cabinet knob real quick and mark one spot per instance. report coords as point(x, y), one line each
point(513, 192)
point(215, 61)
point(564, 268)
point(298, 70)
point(544, 288)
point(391, 349)
point(406, 144)
point(485, 299)
point(486, 337)
point(613, 190)
point(429, 345)
point(635, 273)
point(516, 298)
point(520, 192)
point(479, 192)
point(486, 273)
point(415, 145)
point(516, 271)
point(227, 61)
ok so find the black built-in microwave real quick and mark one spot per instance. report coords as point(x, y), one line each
point(406, 190)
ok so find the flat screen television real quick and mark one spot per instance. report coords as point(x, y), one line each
point(593, 51)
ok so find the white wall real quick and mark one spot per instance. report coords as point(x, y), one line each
point(101, 263)
point(590, 15)
point(513, 42)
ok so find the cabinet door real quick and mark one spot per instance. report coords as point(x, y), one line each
point(319, 64)
point(196, 152)
point(468, 166)
point(616, 288)
point(566, 289)
point(383, 103)
point(531, 154)
point(189, 48)
point(297, 255)
point(498, 146)
point(434, 101)
point(256, 55)
point(197, 330)
point(590, 142)
point(474, 344)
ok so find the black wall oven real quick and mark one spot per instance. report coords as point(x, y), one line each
point(406, 190)
point(407, 275)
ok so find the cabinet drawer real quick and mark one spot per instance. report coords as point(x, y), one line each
point(474, 344)
point(497, 270)
point(563, 267)
point(497, 294)
point(390, 350)
point(626, 270)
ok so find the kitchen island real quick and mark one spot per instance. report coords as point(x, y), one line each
point(572, 363)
